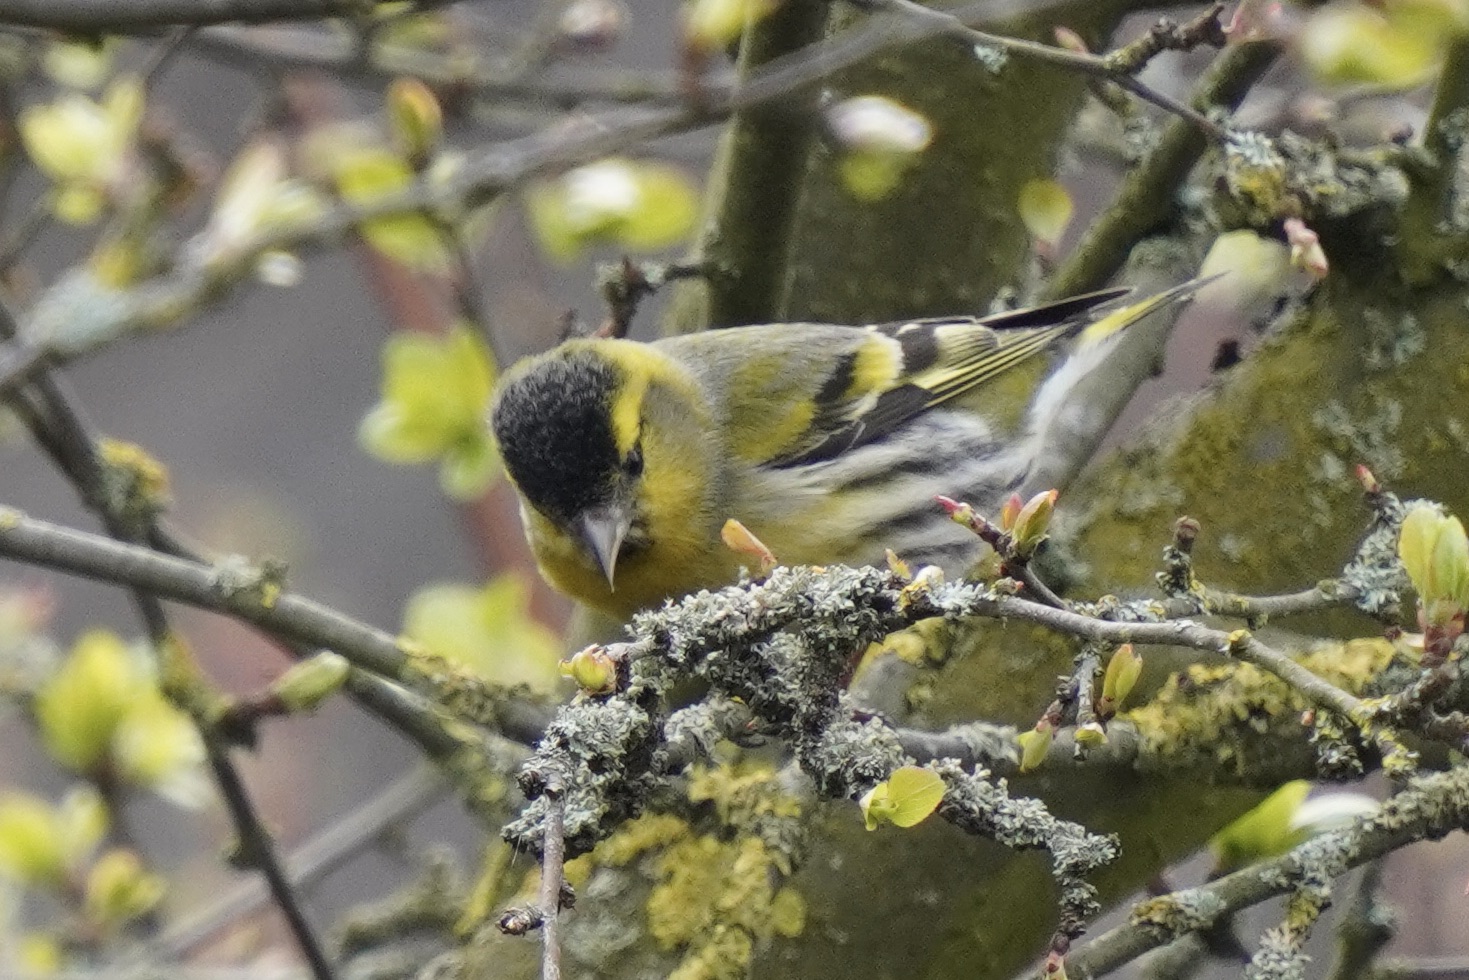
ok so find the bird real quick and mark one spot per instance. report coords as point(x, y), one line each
point(829, 443)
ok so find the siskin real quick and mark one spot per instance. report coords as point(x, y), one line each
point(828, 442)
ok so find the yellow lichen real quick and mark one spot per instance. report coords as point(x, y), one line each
point(137, 482)
point(742, 795)
point(716, 898)
point(637, 837)
point(1211, 712)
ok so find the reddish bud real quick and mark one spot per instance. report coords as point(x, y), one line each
point(1010, 511)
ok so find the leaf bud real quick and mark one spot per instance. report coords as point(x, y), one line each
point(1122, 673)
point(593, 670)
point(417, 120)
point(307, 684)
point(1034, 744)
point(1032, 522)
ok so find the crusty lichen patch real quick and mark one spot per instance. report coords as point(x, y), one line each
point(1216, 717)
point(717, 895)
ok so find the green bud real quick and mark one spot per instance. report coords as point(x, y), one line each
point(40, 843)
point(1010, 511)
point(1091, 735)
point(900, 569)
point(1123, 670)
point(81, 706)
point(39, 954)
point(1033, 521)
point(310, 682)
point(1435, 553)
point(1045, 210)
point(1034, 745)
point(594, 671)
point(877, 809)
point(1238, 639)
point(417, 120)
point(120, 890)
point(31, 848)
point(711, 24)
point(915, 792)
point(906, 798)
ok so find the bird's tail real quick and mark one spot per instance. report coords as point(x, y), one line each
point(1052, 406)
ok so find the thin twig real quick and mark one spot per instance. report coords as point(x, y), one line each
point(466, 288)
point(1146, 199)
point(336, 54)
point(163, 54)
point(1088, 64)
point(553, 855)
point(19, 362)
point(313, 860)
point(1425, 968)
point(35, 220)
point(256, 849)
point(1034, 585)
point(1165, 35)
point(96, 16)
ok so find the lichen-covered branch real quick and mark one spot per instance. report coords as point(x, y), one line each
point(1429, 808)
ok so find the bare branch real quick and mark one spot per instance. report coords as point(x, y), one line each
point(108, 16)
point(401, 801)
point(1146, 200)
point(342, 55)
point(237, 592)
point(553, 855)
point(1087, 64)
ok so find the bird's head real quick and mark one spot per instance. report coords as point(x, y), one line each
point(593, 434)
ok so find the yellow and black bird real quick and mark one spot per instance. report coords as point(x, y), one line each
point(828, 442)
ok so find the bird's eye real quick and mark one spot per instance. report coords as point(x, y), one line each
point(633, 464)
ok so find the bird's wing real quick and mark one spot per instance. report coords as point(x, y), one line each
point(901, 369)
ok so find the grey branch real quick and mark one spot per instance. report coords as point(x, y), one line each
point(1428, 809)
point(229, 591)
point(400, 802)
point(96, 16)
point(302, 620)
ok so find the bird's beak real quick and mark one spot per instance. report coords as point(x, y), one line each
point(602, 529)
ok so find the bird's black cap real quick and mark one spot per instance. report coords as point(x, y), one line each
point(554, 427)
